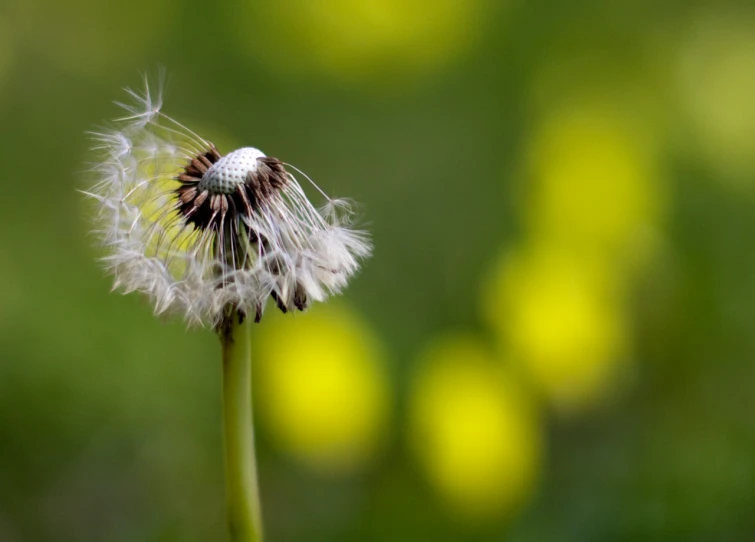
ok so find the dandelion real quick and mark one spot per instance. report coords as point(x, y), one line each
point(201, 233)
point(210, 237)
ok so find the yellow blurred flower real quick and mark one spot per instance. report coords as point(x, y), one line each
point(473, 430)
point(593, 210)
point(324, 394)
point(367, 40)
point(716, 79)
point(561, 317)
point(594, 183)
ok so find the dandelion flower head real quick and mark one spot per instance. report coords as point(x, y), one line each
point(202, 233)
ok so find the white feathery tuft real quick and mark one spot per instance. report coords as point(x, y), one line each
point(282, 247)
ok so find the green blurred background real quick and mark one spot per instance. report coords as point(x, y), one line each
point(553, 340)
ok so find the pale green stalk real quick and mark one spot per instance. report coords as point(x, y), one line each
point(242, 494)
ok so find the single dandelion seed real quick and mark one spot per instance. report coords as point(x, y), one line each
point(211, 237)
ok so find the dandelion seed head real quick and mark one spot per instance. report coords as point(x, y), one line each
point(200, 232)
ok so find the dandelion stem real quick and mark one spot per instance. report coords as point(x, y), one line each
point(242, 494)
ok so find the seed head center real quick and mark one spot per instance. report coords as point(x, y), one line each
point(230, 171)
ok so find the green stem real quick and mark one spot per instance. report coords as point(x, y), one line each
point(242, 495)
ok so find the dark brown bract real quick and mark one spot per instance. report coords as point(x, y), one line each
point(207, 209)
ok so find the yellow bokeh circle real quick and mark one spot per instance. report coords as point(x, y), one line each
point(323, 391)
point(372, 40)
point(716, 83)
point(473, 430)
point(594, 183)
point(561, 318)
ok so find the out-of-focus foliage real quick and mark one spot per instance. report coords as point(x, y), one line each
point(568, 183)
point(88, 36)
point(6, 48)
